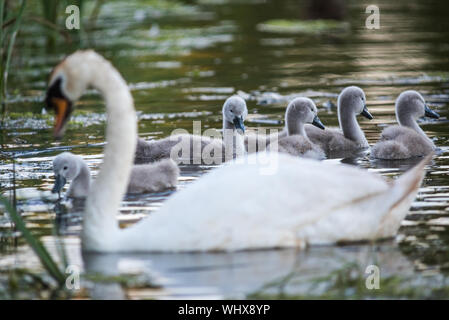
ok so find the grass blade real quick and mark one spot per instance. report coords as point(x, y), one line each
point(12, 40)
point(47, 261)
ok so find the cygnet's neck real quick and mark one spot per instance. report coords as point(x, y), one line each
point(79, 187)
point(407, 120)
point(295, 126)
point(100, 225)
point(233, 141)
point(350, 127)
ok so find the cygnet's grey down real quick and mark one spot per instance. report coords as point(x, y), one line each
point(257, 142)
point(195, 149)
point(406, 140)
point(153, 177)
point(299, 112)
point(350, 137)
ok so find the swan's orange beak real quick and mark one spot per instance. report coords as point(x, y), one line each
point(62, 106)
point(62, 111)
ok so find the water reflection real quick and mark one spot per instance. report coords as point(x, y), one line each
point(238, 274)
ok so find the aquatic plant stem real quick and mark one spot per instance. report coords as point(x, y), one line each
point(12, 39)
point(45, 258)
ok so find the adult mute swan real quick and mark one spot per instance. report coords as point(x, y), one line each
point(195, 149)
point(233, 207)
point(351, 103)
point(299, 112)
point(407, 140)
point(152, 177)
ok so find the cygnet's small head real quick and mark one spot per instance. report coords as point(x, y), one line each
point(235, 112)
point(66, 166)
point(68, 81)
point(353, 99)
point(411, 103)
point(303, 110)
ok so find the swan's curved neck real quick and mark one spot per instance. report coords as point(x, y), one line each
point(350, 127)
point(295, 127)
point(407, 120)
point(81, 184)
point(233, 141)
point(100, 225)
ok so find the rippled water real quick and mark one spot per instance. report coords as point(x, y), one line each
point(181, 64)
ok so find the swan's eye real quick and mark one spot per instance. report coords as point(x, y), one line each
point(232, 110)
point(65, 168)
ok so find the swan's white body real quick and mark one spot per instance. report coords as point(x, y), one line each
point(233, 207)
point(351, 204)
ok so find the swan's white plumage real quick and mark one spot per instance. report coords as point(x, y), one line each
point(314, 203)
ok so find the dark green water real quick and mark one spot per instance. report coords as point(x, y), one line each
point(182, 62)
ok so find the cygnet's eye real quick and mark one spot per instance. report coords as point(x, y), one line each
point(65, 168)
point(232, 110)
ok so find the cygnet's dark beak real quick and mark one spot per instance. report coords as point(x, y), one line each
point(366, 113)
point(60, 181)
point(430, 113)
point(238, 123)
point(317, 123)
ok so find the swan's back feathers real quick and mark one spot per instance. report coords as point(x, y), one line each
point(390, 150)
point(209, 148)
point(153, 177)
point(330, 140)
point(314, 203)
point(398, 142)
point(392, 132)
point(255, 142)
point(299, 146)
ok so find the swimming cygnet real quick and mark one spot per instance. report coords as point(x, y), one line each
point(407, 139)
point(299, 112)
point(201, 149)
point(153, 177)
point(350, 137)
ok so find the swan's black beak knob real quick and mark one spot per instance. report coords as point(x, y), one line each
point(238, 123)
point(317, 123)
point(366, 113)
point(430, 113)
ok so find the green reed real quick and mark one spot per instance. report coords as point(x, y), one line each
point(9, 27)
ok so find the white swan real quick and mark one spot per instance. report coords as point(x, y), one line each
point(195, 149)
point(152, 177)
point(233, 207)
point(407, 140)
point(299, 112)
point(350, 137)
